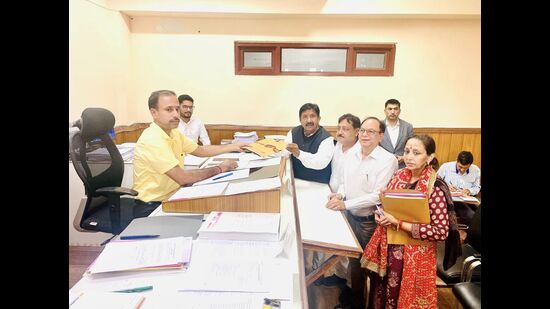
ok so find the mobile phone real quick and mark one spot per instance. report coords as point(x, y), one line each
point(380, 212)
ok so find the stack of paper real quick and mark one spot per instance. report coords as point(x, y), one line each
point(245, 137)
point(165, 253)
point(241, 226)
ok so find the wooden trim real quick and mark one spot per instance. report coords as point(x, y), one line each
point(388, 49)
point(449, 141)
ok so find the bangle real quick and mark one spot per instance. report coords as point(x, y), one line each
point(221, 171)
point(398, 226)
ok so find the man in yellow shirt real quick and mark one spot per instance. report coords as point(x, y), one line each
point(160, 151)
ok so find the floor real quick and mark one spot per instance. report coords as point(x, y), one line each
point(319, 297)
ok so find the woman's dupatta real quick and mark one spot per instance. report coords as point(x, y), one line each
point(375, 254)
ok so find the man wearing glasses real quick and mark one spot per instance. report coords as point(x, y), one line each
point(398, 131)
point(193, 128)
point(367, 171)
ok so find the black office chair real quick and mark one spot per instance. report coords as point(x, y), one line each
point(99, 165)
point(471, 251)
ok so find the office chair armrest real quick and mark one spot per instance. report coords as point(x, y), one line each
point(470, 271)
point(106, 191)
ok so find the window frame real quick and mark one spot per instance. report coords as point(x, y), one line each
point(388, 49)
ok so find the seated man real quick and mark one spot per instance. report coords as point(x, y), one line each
point(463, 176)
point(311, 146)
point(161, 149)
point(193, 128)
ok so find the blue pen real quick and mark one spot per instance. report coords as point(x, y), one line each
point(136, 290)
point(379, 210)
point(138, 237)
point(220, 177)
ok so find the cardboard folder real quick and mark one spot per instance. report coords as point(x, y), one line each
point(409, 206)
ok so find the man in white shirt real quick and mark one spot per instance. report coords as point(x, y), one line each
point(193, 128)
point(397, 131)
point(311, 146)
point(367, 171)
point(463, 176)
point(347, 137)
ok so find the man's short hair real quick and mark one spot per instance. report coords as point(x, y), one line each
point(154, 97)
point(350, 118)
point(308, 106)
point(392, 101)
point(465, 157)
point(381, 124)
point(185, 97)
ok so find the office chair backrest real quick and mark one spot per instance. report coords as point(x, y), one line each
point(474, 231)
point(92, 144)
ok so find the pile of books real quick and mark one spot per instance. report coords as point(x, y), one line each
point(245, 137)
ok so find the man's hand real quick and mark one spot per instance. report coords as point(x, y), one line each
point(453, 188)
point(335, 196)
point(466, 192)
point(293, 148)
point(228, 165)
point(336, 204)
point(239, 146)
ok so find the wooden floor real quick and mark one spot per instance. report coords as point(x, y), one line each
point(320, 297)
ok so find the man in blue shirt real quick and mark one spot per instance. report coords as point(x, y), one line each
point(462, 176)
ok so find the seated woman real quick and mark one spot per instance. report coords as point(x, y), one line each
point(404, 275)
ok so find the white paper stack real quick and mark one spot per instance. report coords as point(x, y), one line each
point(241, 226)
point(245, 137)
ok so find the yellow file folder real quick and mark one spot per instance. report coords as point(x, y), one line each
point(409, 206)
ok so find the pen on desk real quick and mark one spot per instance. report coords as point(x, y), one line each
point(220, 177)
point(138, 237)
point(76, 298)
point(136, 290)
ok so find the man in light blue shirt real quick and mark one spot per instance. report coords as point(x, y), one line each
point(464, 177)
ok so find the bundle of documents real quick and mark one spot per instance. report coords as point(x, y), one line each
point(245, 137)
point(165, 253)
point(409, 206)
point(241, 226)
point(266, 147)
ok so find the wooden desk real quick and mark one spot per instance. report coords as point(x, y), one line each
point(323, 230)
point(259, 201)
point(166, 283)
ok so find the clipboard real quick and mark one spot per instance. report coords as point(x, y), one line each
point(407, 205)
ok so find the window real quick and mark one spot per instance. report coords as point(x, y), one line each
point(330, 59)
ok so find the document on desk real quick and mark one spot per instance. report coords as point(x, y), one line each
point(227, 225)
point(192, 160)
point(253, 186)
point(261, 162)
point(206, 300)
point(465, 199)
point(88, 300)
point(224, 177)
point(199, 191)
point(165, 253)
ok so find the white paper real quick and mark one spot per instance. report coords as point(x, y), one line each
point(276, 137)
point(253, 185)
point(136, 254)
point(236, 174)
point(192, 160)
point(199, 191)
point(205, 300)
point(260, 162)
point(89, 300)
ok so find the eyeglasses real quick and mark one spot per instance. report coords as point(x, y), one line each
point(187, 107)
point(370, 132)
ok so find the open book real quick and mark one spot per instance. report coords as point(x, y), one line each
point(241, 226)
point(409, 206)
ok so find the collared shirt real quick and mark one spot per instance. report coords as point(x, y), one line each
point(156, 153)
point(337, 165)
point(393, 132)
point(470, 180)
point(316, 161)
point(364, 178)
point(194, 130)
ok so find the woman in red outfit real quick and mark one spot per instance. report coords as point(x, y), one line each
point(405, 275)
